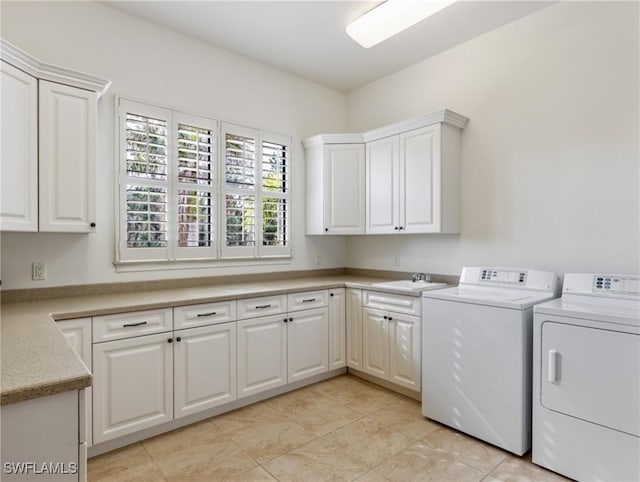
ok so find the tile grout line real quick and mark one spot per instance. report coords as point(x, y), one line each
point(153, 460)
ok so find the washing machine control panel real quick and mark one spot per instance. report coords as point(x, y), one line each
point(526, 279)
point(503, 276)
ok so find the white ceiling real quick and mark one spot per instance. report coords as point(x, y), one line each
point(307, 38)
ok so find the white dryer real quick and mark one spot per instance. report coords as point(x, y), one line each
point(476, 353)
point(586, 383)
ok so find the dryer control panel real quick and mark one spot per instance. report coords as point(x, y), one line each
point(602, 284)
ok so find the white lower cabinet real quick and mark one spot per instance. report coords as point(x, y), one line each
point(133, 385)
point(43, 432)
point(144, 379)
point(262, 354)
point(204, 368)
point(375, 343)
point(78, 334)
point(354, 328)
point(337, 328)
point(279, 349)
point(404, 350)
point(307, 343)
point(391, 341)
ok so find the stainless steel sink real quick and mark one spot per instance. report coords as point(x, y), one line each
point(408, 285)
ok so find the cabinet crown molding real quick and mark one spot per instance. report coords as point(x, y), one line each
point(41, 70)
point(322, 139)
point(444, 116)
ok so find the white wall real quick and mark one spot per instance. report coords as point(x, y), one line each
point(152, 63)
point(550, 163)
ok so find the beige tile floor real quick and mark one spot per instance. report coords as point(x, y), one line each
point(340, 429)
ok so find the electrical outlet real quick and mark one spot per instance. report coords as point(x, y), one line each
point(396, 260)
point(318, 260)
point(38, 270)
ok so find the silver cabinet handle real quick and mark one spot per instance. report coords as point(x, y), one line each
point(309, 300)
point(262, 307)
point(126, 325)
point(199, 315)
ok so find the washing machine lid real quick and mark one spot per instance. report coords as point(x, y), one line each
point(598, 297)
point(501, 298)
point(516, 289)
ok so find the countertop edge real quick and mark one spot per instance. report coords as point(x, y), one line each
point(22, 394)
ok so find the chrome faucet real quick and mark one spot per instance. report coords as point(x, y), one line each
point(416, 277)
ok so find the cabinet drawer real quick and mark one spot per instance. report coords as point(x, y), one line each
point(266, 305)
point(204, 314)
point(307, 300)
point(390, 302)
point(125, 325)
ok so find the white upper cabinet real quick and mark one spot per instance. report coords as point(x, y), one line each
point(18, 150)
point(335, 184)
point(383, 185)
point(413, 178)
point(420, 193)
point(410, 176)
point(49, 129)
point(68, 123)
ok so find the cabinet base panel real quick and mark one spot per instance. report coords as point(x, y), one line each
point(114, 444)
point(386, 384)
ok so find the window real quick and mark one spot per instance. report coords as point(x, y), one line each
point(256, 193)
point(173, 203)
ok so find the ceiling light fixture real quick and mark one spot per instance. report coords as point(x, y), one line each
point(391, 18)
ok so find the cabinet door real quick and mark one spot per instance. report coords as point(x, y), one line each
point(18, 150)
point(383, 185)
point(354, 328)
point(67, 122)
point(78, 334)
point(40, 431)
point(307, 343)
point(375, 342)
point(262, 354)
point(404, 350)
point(204, 368)
point(344, 189)
point(133, 385)
point(420, 180)
point(337, 329)
point(602, 371)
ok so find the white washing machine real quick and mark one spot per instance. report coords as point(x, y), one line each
point(476, 353)
point(586, 379)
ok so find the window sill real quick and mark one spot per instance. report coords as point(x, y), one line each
point(134, 266)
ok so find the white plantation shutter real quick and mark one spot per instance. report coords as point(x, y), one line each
point(276, 184)
point(256, 193)
point(168, 185)
point(144, 182)
point(239, 219)
point(196, 186)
